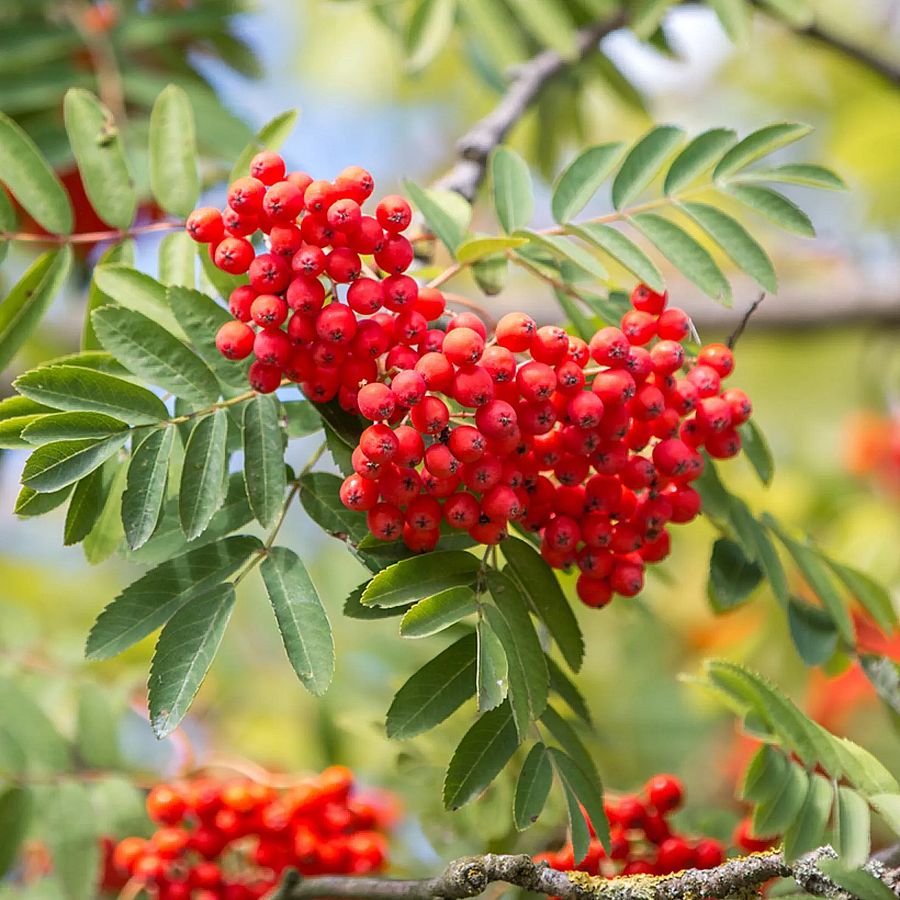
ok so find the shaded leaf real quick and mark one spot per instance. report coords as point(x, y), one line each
point(871, 595)
point(149, 602)
point(77, 389)
point(581, 179)
point(686, 254)
point(15, 818)
point(852, 839)
point(302, 620)
point(435, 692)
point(85, 508)
point(586, 790)
point(264, 472)
point(698, 157)
point(73, 840)
point(97, 147)
point(757, 144)
point(145, 492)
point(30, 179)
point(480, 757)
point(440, 218)
point(437, 612)
point(173, 152)
point(533, 787)
point(26, 304)
point(807, 830)
point(60, 426)
point(53, 466)
point(732, 577)
point(512, 190)
point(413, 579)
point(203, 473)
point(184, 652)
point(622, 249)
point(643, 162)
point(430, 28)
point(177, 260)
point(774, 206)
point(492, 668)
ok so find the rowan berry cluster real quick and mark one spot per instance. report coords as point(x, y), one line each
point(232, 840)
point(591, 444)
point(642, 839)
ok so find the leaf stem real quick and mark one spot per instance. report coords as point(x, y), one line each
point(90, 237)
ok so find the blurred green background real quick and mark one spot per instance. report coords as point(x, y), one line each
point(817, 353)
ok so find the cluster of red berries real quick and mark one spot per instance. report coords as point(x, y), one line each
point(471, 431)
point(316, 233)
point(232, 840)
point(642, 840)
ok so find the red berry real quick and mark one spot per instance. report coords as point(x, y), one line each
point(376, 401)
point(268, 310)
point(234, 340)
point(272, 347)
point(234, 255)
point(431, 416)
point(165, 805)
point(355, 182)
point(515, 331)
point(385, 521)
point(359, 493)
point(647, 300)
point(395, 255)
point(205, 225)
point(263, 378)
point(246, 195)
point(665, 792)
point(393, 213)
point(718, 357)
point(673, 324)
point(343, 265)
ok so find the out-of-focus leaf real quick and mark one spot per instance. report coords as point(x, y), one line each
point(581, 179)
point(643, 162)
point(512, 189)
point(173, 152)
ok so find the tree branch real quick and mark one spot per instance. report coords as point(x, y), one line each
point(526, 83)
point(470, 876)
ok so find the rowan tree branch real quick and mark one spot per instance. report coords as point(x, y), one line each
point(526, 83)
point(470, 876)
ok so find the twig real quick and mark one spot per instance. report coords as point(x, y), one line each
point(470, 876)
point(733, 338)
point(89, 237)
point(526, 83)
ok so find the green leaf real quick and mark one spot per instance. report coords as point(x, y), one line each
point(814, 570)
point(184, 652)
point(807, 830)
point(567, 738)
point(756, 449)
point(302, 620)
point(77, 389)
point(203, 473)
point(735, 16)
point(888, 807)
point(31, 503)
point(480, 757)
point(73, 840)
point(757, 144)
point(97, 733)
point(28, 727)
point(740, 246)
point(686, 254)
point(764, 775)
point(643, 162)
point(270, 137)
point(647, 16)
point(15, 818)
point(862, 769)
point(582, 178)
point(145, 493)
point(872, 596)
point(566, 249)
point(85, 508)
point(773, 816)
point(804, 174)
point(173, 152)
point(538, 584)
point(71, 426)
point(774, 206)
point(302, 418)
point(732, 577)
point(97, 147)
point(411, 580)
point(851, 829)
point(812, 631)
point(479, 247)
point(857, 882)
point(168, 539)
point(512, 190)
point(264, 472)
point(155, 355)
point(528, 677)
point(139, 292)
point(27, 303)
point(177, 260)
point(622, 249)
point(435, 613)
point(700, 155)
point(150, 602)
point(583, 325)
point(319, 494)
point(490, 274)
point(563, 686)
point(430, 28)
point(585, 789)
point(31, 180)
point(201, 317)
point(53, 466)
point(533, 787)
point(435, 692)
point(440, 216)
point(123, 252)
point(106, 536)
point(548, 23)
point(492, 669)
